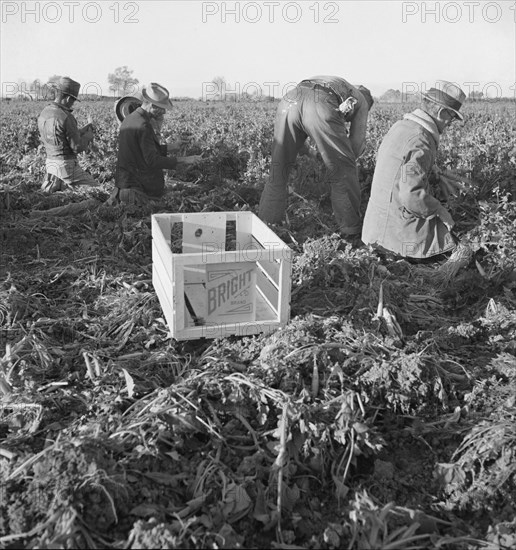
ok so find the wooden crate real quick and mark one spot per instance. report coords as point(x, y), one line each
point(220, 274)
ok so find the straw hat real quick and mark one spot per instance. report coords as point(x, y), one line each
point(157, 95)
point(448, 95)
point(126, 105)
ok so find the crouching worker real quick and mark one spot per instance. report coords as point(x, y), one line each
point(141, 157)
point(402, 215)
point(63, 140)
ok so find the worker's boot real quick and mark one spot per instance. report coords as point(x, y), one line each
point(52, 184)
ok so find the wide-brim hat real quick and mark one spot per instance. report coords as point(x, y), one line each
point(448, 95)
point(126, 105)
point(157, 95)
point(68, 86)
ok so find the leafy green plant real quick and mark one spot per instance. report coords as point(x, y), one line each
point(483, 467)
point(496, 233)
point(267, 440)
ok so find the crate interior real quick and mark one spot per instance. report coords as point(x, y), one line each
point(220, 233)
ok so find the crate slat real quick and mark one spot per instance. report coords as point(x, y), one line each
point(166, 306)
point(241, 291)
point(268, 289)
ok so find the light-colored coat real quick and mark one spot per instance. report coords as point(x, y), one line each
point(401, 215)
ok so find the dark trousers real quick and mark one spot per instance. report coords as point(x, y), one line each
point(310, 110)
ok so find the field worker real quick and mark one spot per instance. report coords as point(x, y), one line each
point(63, 140)
point(128, 104)
point(320, 107)
point(141, 157)
point(402, 215)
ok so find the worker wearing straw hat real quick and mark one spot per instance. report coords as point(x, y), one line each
point(129, 103)
point(63, 140)
point(141, 157)
point(402, 215)
point(321, 107)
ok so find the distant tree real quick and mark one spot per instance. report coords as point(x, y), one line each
point(50, 86)
point(48, 90)
point(253, 95)
point(35, 89)
point(475, 95)
point(391, 96)
point(122, 81)
point(221, 86)
point(24, 96)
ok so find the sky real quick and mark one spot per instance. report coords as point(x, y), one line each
point(264, 47)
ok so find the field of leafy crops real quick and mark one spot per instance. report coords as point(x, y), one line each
point(334, 432)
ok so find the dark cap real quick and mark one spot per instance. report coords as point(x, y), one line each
point(68, 86)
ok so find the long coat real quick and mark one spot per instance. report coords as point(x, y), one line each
point(401, 215)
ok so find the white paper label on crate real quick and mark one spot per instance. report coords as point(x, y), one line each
point(231, 292)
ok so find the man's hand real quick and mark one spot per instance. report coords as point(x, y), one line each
point(358, 145)
point(446, 218)
point(448, 186)
point(86, 133)
point(308, 150)
point(192, 160)
point(361, 150)
point(175, 146)
point(86, 137)
point(87, 128)
point(157, 124)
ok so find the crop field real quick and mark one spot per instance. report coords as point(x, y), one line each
point(382, 416)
